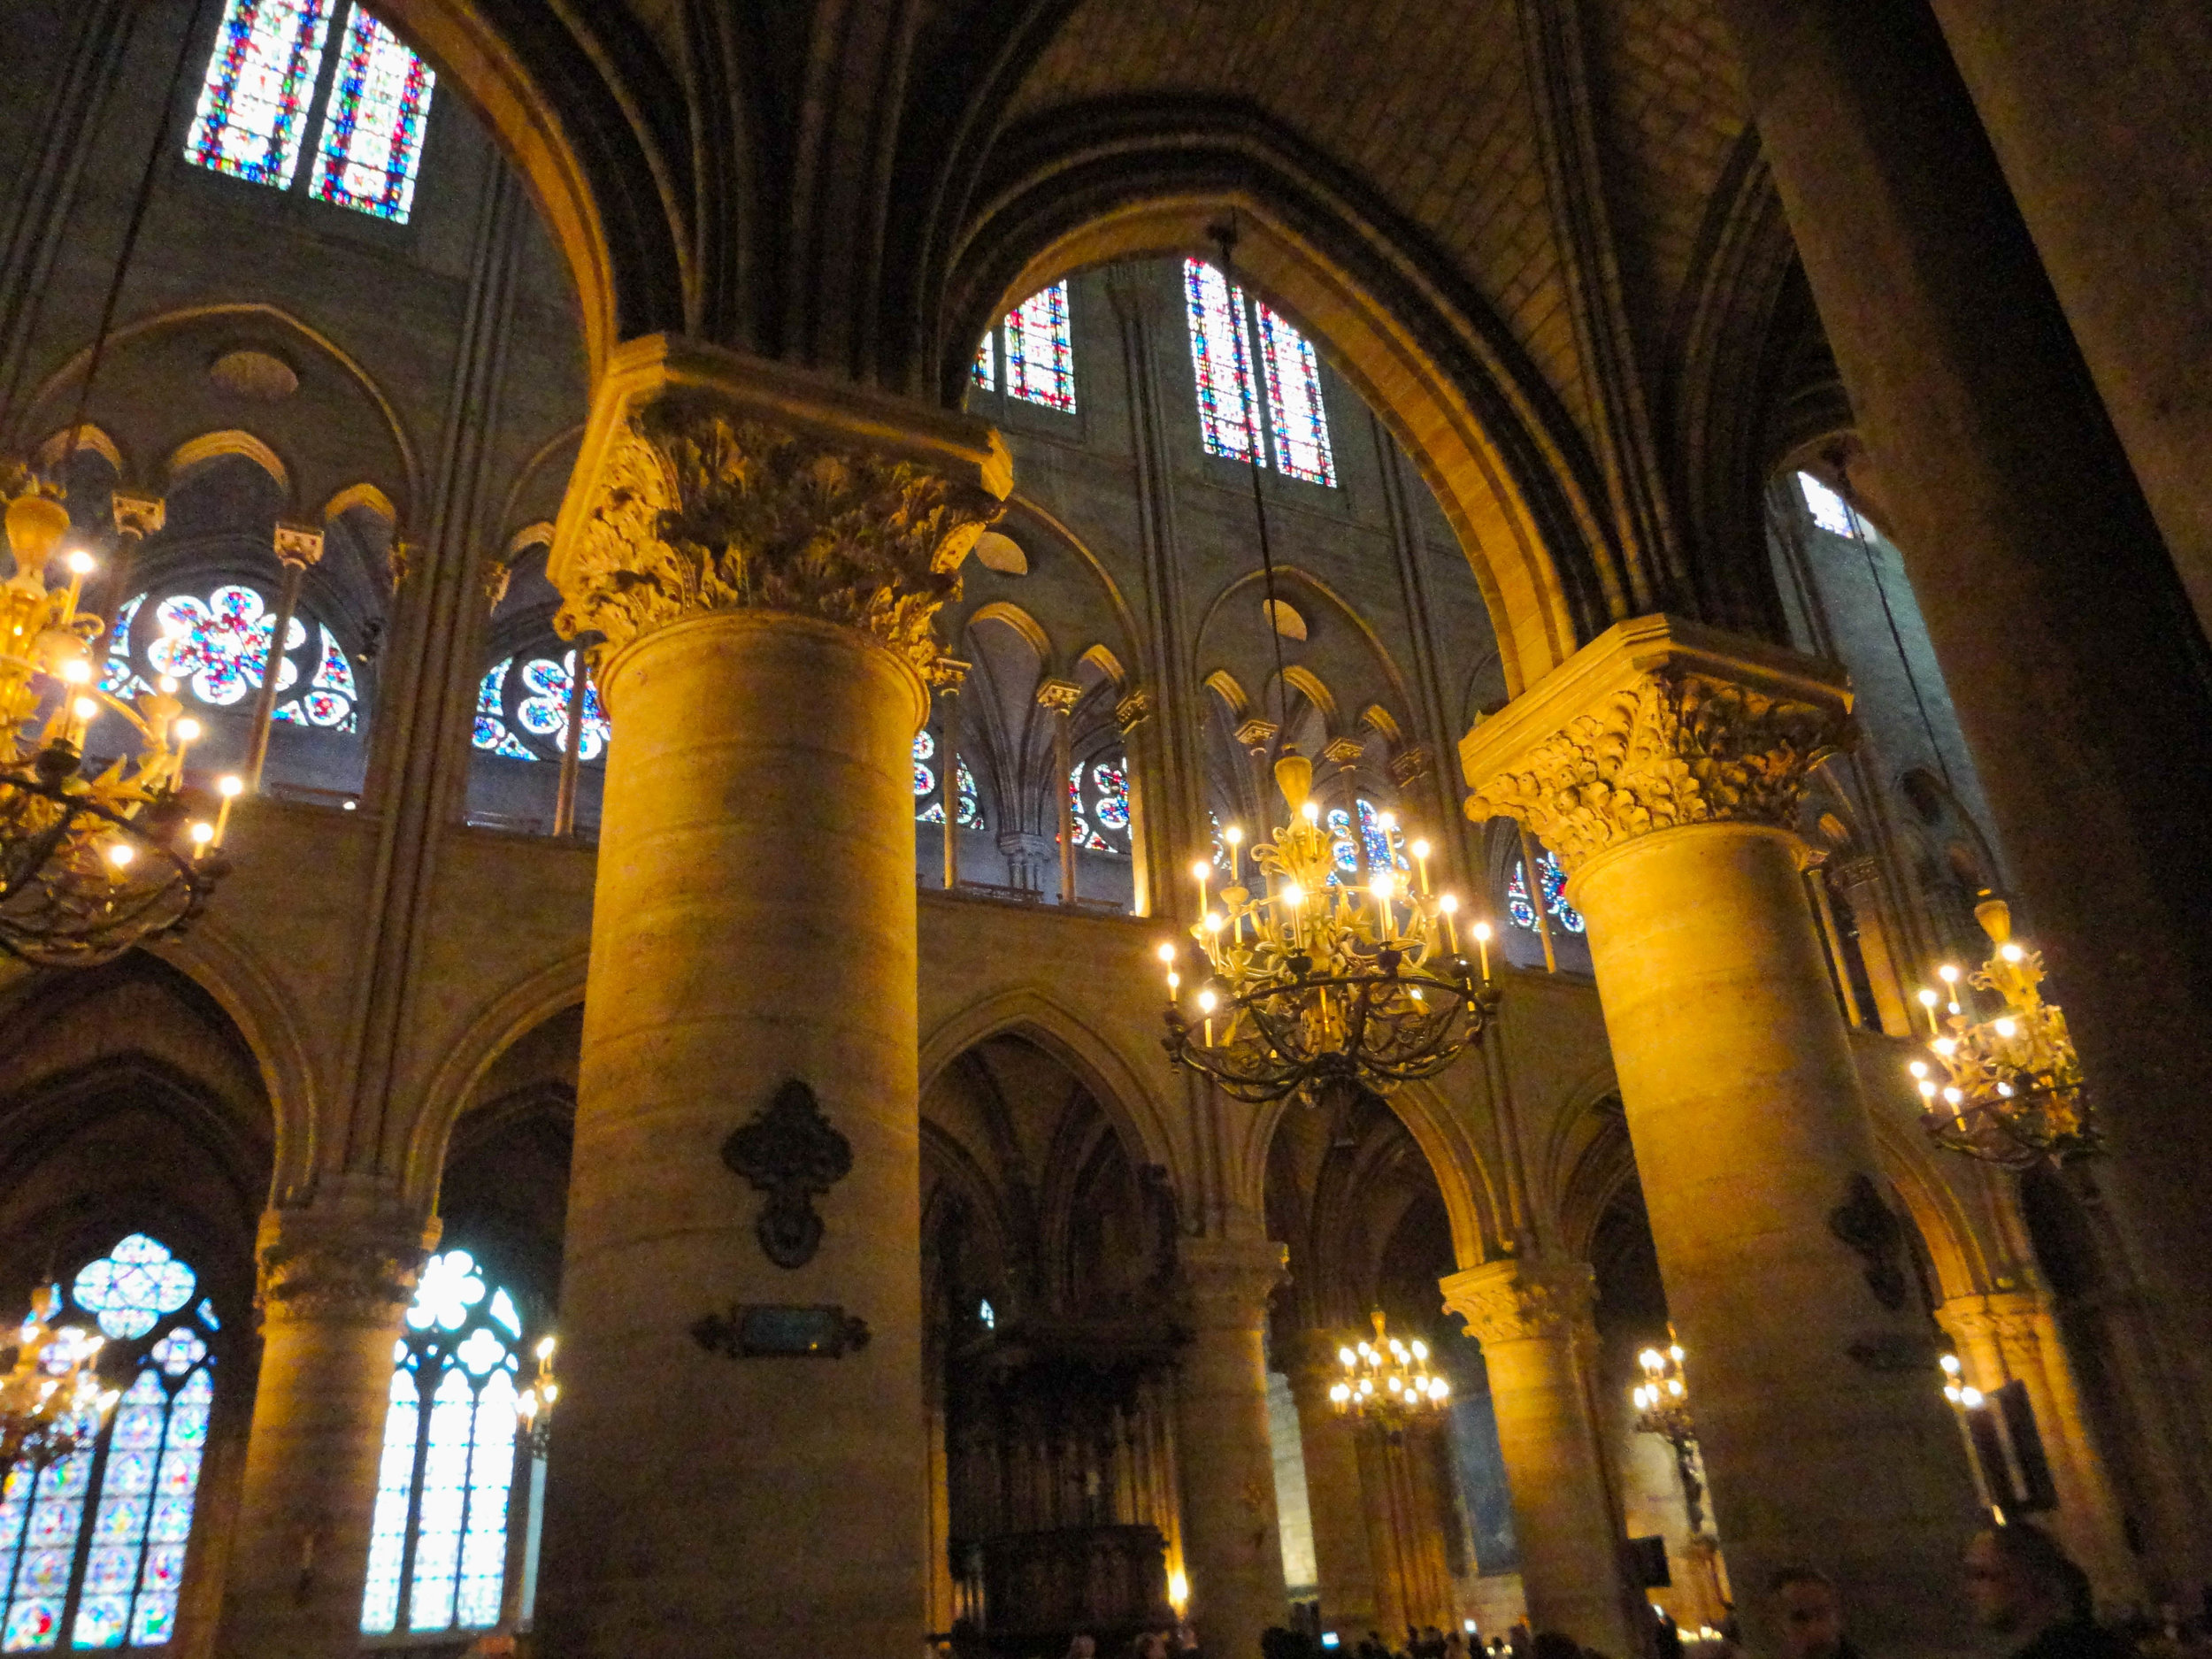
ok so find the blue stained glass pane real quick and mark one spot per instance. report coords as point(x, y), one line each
point(178, 1352)
point(132, 1285)
point(153, 1621)
point(116, 679)
point(206, 1312)
point(1112, 786)
point(986, 363)
point(1828, 508)
point(372, 139)
point(170, 1524)
point(388, 1527)
point(172, 1519)
point(1341, 845)
point(971, 808)
point(1385, 848)
point(1553, 881)
point(503, 1310)
point(1297, 419)
point(254, 97)
point(1039, 353)
point(443, 1503)
point(15, 1508)
point(543, 711)
point(491, 731)
point(491, 1470)
point(100, 1616)
point(1220, 361)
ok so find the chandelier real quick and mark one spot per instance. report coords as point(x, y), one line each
point(51, 1403)
point(1315, 988)
point(1662, 1407)
point(89, 865)
point(534, 1406)
point(2012, 1092)
point(1387, 1382)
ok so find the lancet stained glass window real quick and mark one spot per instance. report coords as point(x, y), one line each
point(1223, 322)
point(438, 1537)
point(986, 362)
point(260, 78)
point(1039, 351)
point(1221, 359)
point(522, 712)
point(925, 791)
point(1829, 511)
point(214, 646)
point(1296, 419)
point(115, 1583)
point(1554, 882)
point(1103, 806)
point(373, 127)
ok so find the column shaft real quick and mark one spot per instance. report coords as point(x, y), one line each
point(753, 925)
point(1534, 1326)
point(1349, 1583)
point(332, 1292)
point(2080, 679)
point(1232, 1551)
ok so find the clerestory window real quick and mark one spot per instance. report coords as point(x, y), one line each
point(1231, 332)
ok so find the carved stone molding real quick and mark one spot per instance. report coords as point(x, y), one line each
point(1410, 765)
point(698, 508)
point(1257, 733)
point(340, 1280)
point(1517, 1302)
point(2008, 1317)
point(1227, 1281)
point(137, 514)
point(300, 544)
point(1655, 724)
point(1059, 696)
point(1133, 710)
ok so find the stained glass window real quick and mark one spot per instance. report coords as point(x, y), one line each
point(438, 1535)
point(1378, 829)
point(1829, 509)
point(1553, 881)
point(1221, 359)
point(986, 362)
point(1295, 417)
point(531, 703)
point(1109, 786)
point(933, 809)
point(1107, 806)
point(115, 1584)
point(373, 127)
point(215, 646)
point(252, 111)
point(1039, 353)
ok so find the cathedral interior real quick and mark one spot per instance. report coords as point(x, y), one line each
point(726, 586)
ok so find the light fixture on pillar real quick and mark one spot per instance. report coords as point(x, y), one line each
point(2012, 1092)
point(534, 1406)
point(1388, 1382)
point(1313, 988)
point(90, 866)
point(51, 1403)
point(1662, 1407)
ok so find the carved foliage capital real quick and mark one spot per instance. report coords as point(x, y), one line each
point(1513, 1300)
point(1670, 747)
point(698, 510)
point(361, 1279)
point(2003, 1316)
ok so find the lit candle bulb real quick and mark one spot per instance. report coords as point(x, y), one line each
point(1234, 837)
point(80, 566)
point(1420, 851)
point(1482, 943)
point(120, 853)
point(1928, 1002)
point(230, 788)
point(1448, 906)
point(187, 732)
point(1950, 975)
point(1207, 1002)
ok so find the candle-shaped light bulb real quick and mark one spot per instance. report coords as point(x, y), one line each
point(1918, 1068)
point(2006, 1028)
point(1208, 1002)
point(229, 787)
point(168, 685)
point(1310, 812)
point(1202, 871)
point(188, 731)
point(76, 671)
point(1167, 951)
point(2010, 952)
point(79, 563)
point(1948, 973)
point(1482, 942)
point(1291, 893)
point(1927, 1088)
point(1214, 923)
point(84, 708)
point(120, 853)
point(202, 833)
point(1173, 980)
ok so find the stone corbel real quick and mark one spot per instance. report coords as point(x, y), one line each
point(1518, 1300)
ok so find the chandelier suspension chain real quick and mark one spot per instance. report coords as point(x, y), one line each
point(1225, 237)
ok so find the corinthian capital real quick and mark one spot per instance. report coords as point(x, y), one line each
point(714, 483)
point(1513, 1300)
point(366, 1280)
point(1658, 723)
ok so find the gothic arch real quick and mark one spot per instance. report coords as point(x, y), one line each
point(1136, 178)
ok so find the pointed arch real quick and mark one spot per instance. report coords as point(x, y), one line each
point(211, 446)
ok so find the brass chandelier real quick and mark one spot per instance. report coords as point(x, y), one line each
point(1313, 988)
point(534, 1406)
point(1387, 1383)
point(1663, 1409)
point(89, 865)
point(2011, 1091)
point(52, 1402)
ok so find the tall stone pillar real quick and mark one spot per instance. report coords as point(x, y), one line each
point(1351, 1598)
point(742, 1464)
point(1661, 763)
point(1232, 1551)
point(1405, 1532)
point(2077, 664)
point(1533, 1322)
point(2102, 135)
point(335, 1281)
point(1861, 880)
point(2009, 1334)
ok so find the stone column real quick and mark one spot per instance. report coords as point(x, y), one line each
point(1661, 763)
point(297, 546)
point(1405, 1537)
point(1059, 697)
point(335, 1282)
point(1232, 1551)
point(763, 555)
point(1151, 847)
point(2009, 1334)
point(1351, 1602)
point(2077, 667)
point(2102, 135)
point(1532, 1319)
point(1864, 889)
point(950, 674)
